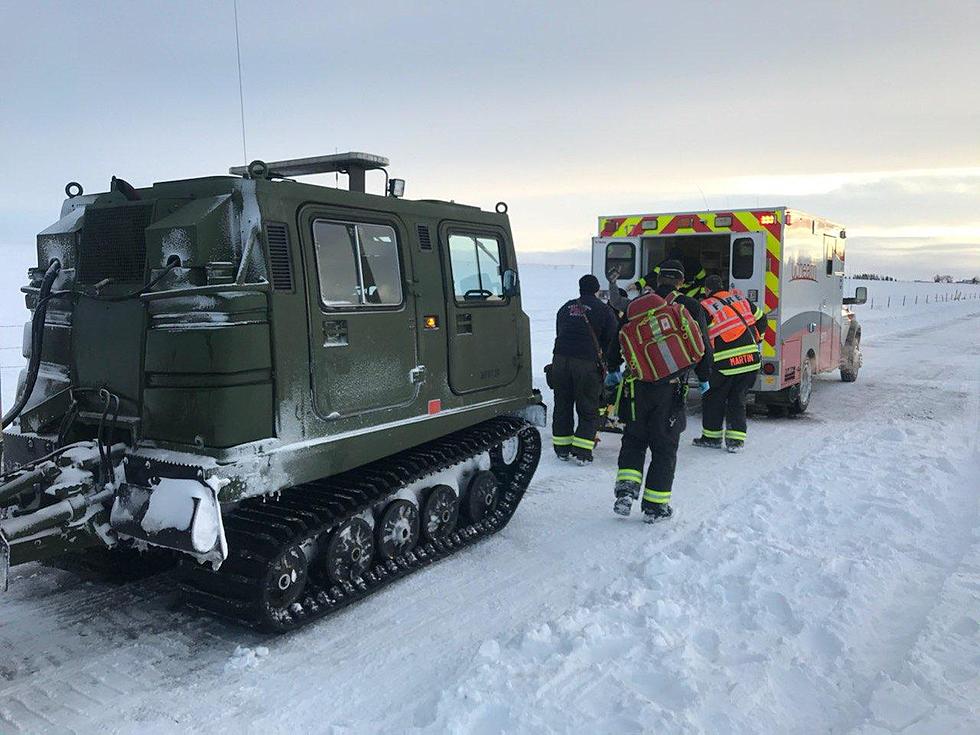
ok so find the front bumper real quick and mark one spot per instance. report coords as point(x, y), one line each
point(172, 506)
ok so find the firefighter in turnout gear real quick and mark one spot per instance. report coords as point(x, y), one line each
point(655, 413)
point(734, 332)
point(585, 334)
point(692, 287)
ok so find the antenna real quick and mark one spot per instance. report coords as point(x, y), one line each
point(241, 91)
point(703, 197)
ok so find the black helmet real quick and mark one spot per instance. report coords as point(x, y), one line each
point(672, 269)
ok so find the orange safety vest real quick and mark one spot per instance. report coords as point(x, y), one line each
point(724, 310)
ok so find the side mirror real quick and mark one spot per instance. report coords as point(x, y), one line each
point(860, 296)
point(512, 285)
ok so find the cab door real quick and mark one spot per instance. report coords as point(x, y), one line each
point(363, 325)
point(621, 253)
point(482, 330)
point(831, 283)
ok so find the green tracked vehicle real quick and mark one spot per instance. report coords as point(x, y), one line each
point(307, 392)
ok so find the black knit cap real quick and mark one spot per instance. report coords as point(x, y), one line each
point(672, 269)
point(588, 284)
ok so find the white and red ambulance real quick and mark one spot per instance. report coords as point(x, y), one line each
point(789, 262)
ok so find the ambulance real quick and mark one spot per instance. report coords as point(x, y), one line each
point(786, 261)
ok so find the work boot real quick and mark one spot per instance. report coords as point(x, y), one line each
point(658, 512)
point(582, 456)
point(626, 492)
point(734, 445)
point(703, 441)
point(563, 453)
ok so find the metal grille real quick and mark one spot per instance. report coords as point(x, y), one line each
point(425, 243)
point(114, 244)
point(280, 263)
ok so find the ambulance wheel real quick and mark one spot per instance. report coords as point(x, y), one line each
point(805, 388)
point(848, 375)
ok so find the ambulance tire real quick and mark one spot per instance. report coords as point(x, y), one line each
point(804, 390)
point(848, 376)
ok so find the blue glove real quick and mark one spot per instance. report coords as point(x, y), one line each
point(705, 387)
point(614, 378)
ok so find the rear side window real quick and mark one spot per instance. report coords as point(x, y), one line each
point(743, 258)
point(357, 264)
point(477, 266)
point(622, 256)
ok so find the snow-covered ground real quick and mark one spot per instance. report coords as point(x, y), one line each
point(826, 580)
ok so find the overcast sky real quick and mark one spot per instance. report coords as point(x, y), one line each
point(867, 113)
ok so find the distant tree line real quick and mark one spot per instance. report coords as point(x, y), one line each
point(872, 277)
point(949, 279)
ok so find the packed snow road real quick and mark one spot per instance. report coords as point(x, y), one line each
point(826, 580)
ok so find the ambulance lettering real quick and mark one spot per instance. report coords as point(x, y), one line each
point(803, 270)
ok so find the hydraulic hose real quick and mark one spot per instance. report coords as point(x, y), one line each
point(37, 340)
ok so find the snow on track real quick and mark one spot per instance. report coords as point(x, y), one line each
point(826, 580)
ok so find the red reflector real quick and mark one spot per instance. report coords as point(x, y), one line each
point(435, 406)
point(769, 368)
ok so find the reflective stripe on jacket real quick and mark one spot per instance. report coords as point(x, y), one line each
point(693, 288)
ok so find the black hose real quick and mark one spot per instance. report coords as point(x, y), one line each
point(37, 341)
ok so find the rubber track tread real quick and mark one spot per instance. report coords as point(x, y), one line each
point(262, 527)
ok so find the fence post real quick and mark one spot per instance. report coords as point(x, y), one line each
point(889, 302)
point(903, 301)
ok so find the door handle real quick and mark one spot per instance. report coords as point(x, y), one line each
point(811, 327)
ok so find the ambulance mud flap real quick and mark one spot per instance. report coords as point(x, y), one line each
point(179, 514)
point(4, 563)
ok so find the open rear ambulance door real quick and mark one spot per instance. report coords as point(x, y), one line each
point(747, 276)
point(616, 252)
point(748, 266)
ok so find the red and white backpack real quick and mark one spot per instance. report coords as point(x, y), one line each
point(660, 338)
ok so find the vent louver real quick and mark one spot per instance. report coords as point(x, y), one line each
point(425, 242)
point(280, 263)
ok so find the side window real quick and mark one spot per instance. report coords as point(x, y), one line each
point(476, 262)
point(622, 256)
point(357, 264)
point(743, 258)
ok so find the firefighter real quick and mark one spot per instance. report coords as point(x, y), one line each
point(586, 330)
point(693, 287)
point(734, 332)
point(655, 417)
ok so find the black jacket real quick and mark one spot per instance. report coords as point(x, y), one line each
point(741, 354)
point(572, 338)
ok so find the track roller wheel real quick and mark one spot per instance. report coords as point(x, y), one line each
point(398, 529)
point(506, 453)
point(285, 580)
point(349, 551)
point(440, 512)
point(482, 497)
